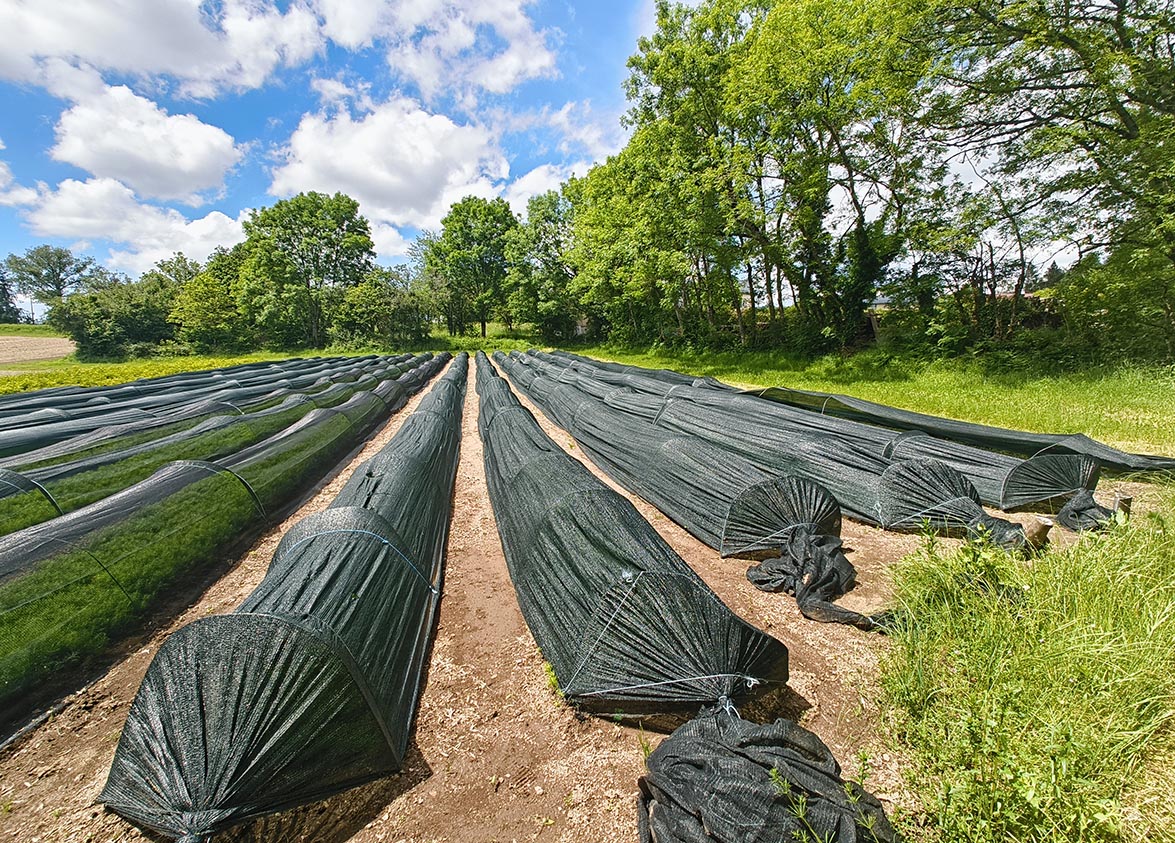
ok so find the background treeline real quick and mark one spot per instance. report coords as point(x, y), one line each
point(806, 176)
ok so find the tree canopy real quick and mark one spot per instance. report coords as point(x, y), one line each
point(470, 256)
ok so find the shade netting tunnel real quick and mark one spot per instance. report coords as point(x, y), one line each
point(300, 370)
point(1023, 443)
point(907, 495)
point(726, 501)
point(722, 779)
point(72, 585)
point(47, 482)
point(311, 685)
point(624, 623)
point(43, 427)
point(1061, 482)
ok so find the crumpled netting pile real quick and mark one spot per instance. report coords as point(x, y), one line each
point(1043, 482)
point(71, 585)
point(726, 501)
point(722, 779)
point(625, 624)
point(907, 495)
point(311, 685)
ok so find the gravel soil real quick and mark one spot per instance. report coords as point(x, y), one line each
point(496, 755)
point(28, 349)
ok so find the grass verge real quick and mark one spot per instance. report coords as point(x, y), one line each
point(23, 330)
point(1037, 696)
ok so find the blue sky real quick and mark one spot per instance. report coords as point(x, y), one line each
point(132, 129)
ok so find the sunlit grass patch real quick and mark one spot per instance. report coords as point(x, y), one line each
point(1035, 694)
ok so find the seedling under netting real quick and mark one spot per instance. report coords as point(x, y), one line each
point(310, 687)
point(32, 495)
point(75, 397)
point(70, 586)
point(724, 500)
point(908, 496)
point(625, 624)
point(114, 437)
point(46, 427)
point(1048, 482)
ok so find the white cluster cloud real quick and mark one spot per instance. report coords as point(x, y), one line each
point(403, 161)
point(440, 45)
point(121, 135)
point(106, 209)
point(541, 179)
point(237, 47)
point(405, 165)
point(238, 44)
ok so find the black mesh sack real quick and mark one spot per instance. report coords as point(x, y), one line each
point(722, 779)
point(1023, 443)
point(1041, 482)
point(869, 487)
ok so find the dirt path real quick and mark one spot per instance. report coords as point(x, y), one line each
point(28, 349)
point(496, 756)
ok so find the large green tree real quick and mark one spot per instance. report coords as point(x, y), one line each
point(469, 256)
point(539, 275)
point(48, 273)
point(1073, 104)
point(114, 316)
point(305, 252)
point(387, 309)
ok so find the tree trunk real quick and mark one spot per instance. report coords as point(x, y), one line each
point(751, 291)
point(483, 329)
point(767, 288)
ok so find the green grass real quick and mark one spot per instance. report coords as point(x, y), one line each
point(30, 331)
point(69, 608)
point(1128, 407)
point(1038, 696)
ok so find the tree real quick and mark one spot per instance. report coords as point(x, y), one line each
point(539, 276)
point(470, 257)
point(48, 273)
point(9, 312)
point(776, 144)
point(275, 302)
point(117, 317)
point(206, 310)
point(173, 272)
point(386, 309)
point(318, 243)
point(1074, 101)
